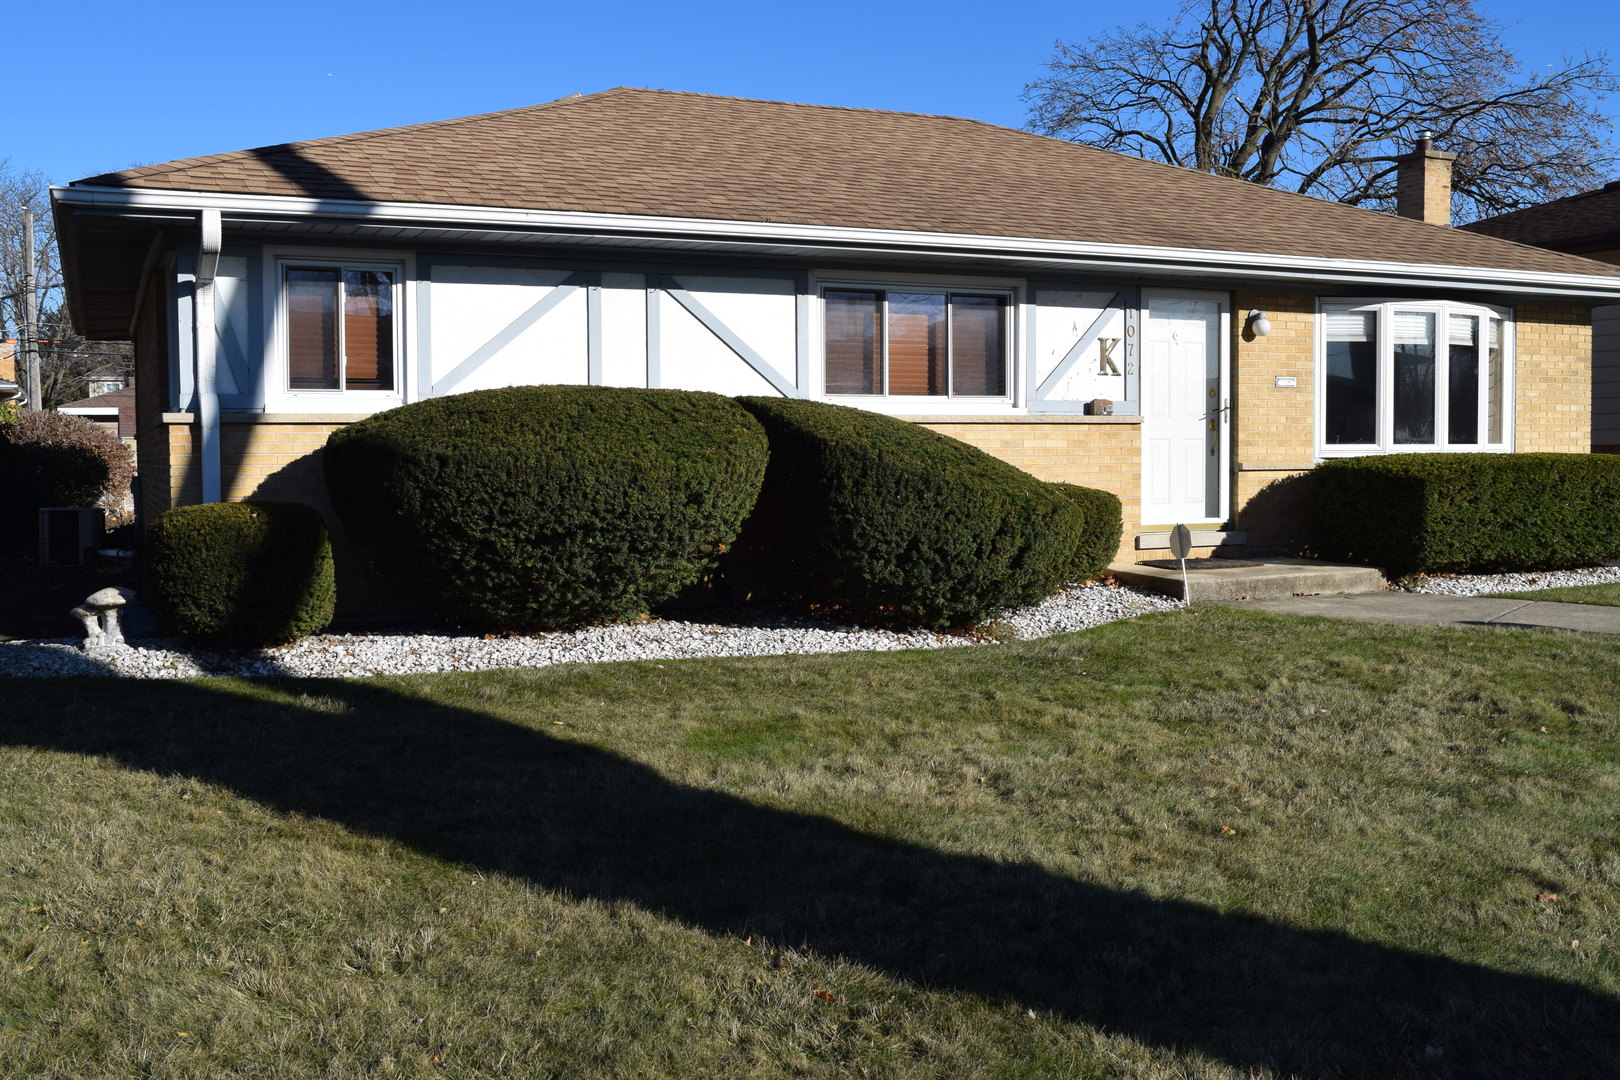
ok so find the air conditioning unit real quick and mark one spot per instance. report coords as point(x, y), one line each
point(68, 533)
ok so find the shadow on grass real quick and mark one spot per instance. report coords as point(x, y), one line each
point(472, 789)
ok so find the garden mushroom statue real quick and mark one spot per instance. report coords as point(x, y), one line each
point(99, 614)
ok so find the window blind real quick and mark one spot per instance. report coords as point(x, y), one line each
point(368, 330)
point(1463, 330)
point(1351, 326)
point(978, 334)
point(916, 343)
point(1414, 328)
point(312, 305)
point(854, 342)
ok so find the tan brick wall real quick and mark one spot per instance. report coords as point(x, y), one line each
point(1099, 455)
point(1553, 373)
point(1423, 187)
point(1273, 427)
point(151, 397)
point(282, 460)
point(257, 461)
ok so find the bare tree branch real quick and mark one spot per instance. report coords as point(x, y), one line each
point(1322, 96)
point(67, 361)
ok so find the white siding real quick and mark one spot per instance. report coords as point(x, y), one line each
point(503, 326)
point(758, 314)
point(1092, 320)
point(624, 329)
point(507, 326)
point(234, 378)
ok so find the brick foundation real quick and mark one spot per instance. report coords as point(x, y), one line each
point(1099, 452)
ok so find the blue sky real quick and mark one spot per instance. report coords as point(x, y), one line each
point(132, 84)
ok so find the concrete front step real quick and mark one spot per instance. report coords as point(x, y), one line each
point(1272, 578)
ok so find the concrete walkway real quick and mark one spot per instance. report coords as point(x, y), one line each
point(1403, 607)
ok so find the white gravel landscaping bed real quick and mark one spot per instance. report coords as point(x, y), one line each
point(1481, 584)
point(341, 655)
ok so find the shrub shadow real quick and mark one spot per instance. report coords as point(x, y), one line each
point(472, 789)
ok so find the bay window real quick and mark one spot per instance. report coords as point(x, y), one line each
point(1406, 377)
point(916, 342)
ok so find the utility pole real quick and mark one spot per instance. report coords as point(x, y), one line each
point(30, 313)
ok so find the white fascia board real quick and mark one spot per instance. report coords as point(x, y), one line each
point(1074, 255)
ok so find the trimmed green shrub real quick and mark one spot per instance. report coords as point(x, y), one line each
point(240, 574)
point(1104, 524)
point(57, 459)
point(1460, 513)
point(543, 507)
point(898, 523)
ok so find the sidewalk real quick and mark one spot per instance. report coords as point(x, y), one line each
point(1403, 607)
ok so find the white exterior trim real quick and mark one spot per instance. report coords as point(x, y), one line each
point(908, 405)
point(1385, 408)
point(1074, 254)
point(278, 395)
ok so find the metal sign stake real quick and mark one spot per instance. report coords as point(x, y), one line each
point(1180, 545)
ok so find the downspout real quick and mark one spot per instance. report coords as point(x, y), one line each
point(206, 353)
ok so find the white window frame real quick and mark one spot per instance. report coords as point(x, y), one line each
point(919, 404)
point(1384, 309)
point(278, 392)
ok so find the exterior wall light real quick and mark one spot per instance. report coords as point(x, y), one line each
point(1259, 325)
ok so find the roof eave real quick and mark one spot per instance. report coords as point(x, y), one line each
point(746, 235)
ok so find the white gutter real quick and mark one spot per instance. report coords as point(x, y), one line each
point(1068, 253)
point(206, 349)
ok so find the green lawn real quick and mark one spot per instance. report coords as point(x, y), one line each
point(1204, 844)
point(1606, 595)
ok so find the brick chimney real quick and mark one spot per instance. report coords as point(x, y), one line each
point(1423, 183)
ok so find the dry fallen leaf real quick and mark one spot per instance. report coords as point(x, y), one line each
point(824, 996)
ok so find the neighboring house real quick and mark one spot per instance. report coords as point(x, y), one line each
point(10, 389)
point(985, 282)
point(114, 411)
point(1586, 224)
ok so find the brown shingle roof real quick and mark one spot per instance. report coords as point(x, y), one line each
point(122, 400)
point(667, 154)
point(1589, 221)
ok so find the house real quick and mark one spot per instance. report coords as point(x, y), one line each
point(113, 410)
point(1190, 342)
point(1587, 224)
point(10, 389)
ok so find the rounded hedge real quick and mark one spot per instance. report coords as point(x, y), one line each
point(1103, 524)
point(57, 459)
point(240, 574)
point(543, 507)
point(899, 523)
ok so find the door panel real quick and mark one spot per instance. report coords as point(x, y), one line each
point(1183, 424)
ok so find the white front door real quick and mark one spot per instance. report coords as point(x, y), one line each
point(1184, 414)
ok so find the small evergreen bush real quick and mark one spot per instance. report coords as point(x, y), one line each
point(57, 459)
point(1104, 524)
point(1467, 513)
point(240, 574)
point(543, 507)
point(902, 524)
